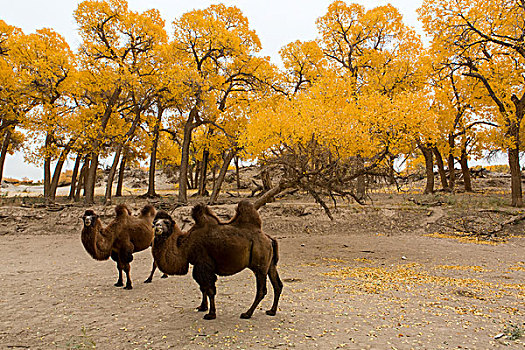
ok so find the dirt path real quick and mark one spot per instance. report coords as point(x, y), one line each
point(342, 290)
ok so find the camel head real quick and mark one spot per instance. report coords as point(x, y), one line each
point(163, 224)
point(89, 218)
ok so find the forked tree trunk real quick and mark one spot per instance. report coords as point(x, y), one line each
point(222, 174)
point(441, 168)
point(74, 176)
point(82, 179)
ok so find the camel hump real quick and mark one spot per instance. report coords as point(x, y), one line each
point(203, 215)
point(247, 214)
point(148, 210)
point(122, 210)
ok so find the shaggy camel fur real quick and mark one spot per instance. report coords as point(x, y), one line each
point(216, 248)
point(125, 235)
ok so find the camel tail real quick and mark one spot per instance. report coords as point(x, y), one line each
point(275, 248)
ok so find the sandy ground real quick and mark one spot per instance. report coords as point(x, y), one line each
point(371, 279)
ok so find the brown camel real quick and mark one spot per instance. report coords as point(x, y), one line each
point(216, 248)
point(125, 235)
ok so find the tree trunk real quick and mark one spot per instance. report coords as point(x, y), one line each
point(111, 175)
point(3, 152)
point(118, 192)
point(266, 180)
point(222, 174)
point(58, 171)
point(361, 184)
point(91, 175)
point(441, 168)
point(185, 156)
point(153, 154)
point(463, 161)
point(203, 172)
point(74, 176)
point(429, 168)
point(237, 173)
point(47, 170)
point(515, 173)
point(514, 152)
point(82, 179)
point(269, 195)
point(91, 179)
point(450, 163)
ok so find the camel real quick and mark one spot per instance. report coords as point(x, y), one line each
point(125, 235)
point(217, 248)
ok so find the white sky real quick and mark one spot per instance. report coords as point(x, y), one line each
point(277, 23)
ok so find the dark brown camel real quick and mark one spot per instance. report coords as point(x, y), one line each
point(215, 248)
point(125, 235)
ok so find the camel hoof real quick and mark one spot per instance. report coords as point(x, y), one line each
point(118, 284)
point(245, 315)
point(164, 276)
point(128, 287)
point(202, 308)
point(209, 316)
point(270, 313)
point(148, 280)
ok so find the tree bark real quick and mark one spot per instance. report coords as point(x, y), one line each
point(514, 152)
point(463, 161)
point(203, 172)
point(82, 179)
point(91, 179)
point(153, 154)
point(118, 192)
point(222, 174)
point(58, 171)
point(269, 195)
point(47, 170)
point(91, 175)
point(3, 152)
point(441, 168)
point(237, 173)
point(185, 156)
point(74, 176)
point(111, 175)
point(450, 163)
point(429, 168)
point(361, 184)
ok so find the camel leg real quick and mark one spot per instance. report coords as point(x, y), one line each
point(277, 288)
point(261, 292)
point(206, 279)
point(127, 269)
point(150, 278)
point(204, 304)
point(115, 257)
